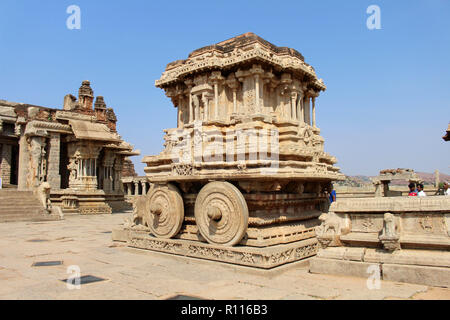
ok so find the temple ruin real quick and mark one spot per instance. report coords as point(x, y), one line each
point(76, 150)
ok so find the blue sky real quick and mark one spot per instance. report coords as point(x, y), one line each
point(388, 99)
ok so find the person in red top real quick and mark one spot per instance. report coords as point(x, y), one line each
point(412, 190)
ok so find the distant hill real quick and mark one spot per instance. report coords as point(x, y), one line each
point(361, 180)
point(428, 178)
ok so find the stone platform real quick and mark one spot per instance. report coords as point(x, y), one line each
point(404, 239)
point(130, 273)
point(265, 258)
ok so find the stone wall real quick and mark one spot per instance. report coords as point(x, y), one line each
point(5, 167)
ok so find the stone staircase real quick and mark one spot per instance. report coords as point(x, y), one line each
point(22, 206)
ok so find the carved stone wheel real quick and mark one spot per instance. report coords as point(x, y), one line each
point(221, 213)
point(166, 211)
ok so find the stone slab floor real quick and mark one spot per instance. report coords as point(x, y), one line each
point(85, 241)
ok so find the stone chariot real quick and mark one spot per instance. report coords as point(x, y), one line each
point(242, 178)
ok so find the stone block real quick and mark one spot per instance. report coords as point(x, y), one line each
point(409, 257)
point(340, 267)
point(430, 276)
point(332, 253)
point(355, 254)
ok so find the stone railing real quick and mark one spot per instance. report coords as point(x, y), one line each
point(135, 186)
point(369, 191)
point(406, 239)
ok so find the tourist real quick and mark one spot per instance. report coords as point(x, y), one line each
point(446, 189)
point(332, 194)
point(420, 192)
point(412, 190)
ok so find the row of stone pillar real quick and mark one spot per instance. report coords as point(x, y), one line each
point(300, 102)
point(302, 107)
point(87, 167)
point(132, 188)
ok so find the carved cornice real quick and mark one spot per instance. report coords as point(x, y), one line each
point(67, 115)
point(41, 128)
point(207, 61)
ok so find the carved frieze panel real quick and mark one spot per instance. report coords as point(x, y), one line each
point(366, 222)
point(424, 223)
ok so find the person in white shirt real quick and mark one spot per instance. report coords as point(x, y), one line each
point(446, 189)
point(420, 191)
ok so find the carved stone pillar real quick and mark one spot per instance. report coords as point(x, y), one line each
point(117, 183)
point(196, 103)
point(23, 162)
point(301, 110)
point(136, 188)
point(294, 105)
point(257, 71)
point(108, 171)
point(307, 110)
point(216, 78)
point(216, 100)
point(37, 168)
point(234, 85)
point(258, 107)
point(53, 176)
point(285, 99)
point(179, 120)
point(205, 101)
point(314, 112)
point(189, 85)
point(129, 188)
point(107, 178)
point(144, 187)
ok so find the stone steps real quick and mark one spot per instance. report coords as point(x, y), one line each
point(18, 206)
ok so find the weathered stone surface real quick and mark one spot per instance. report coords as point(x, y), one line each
point(332, 253)
point(409, 257)
point(348, 268)
point(354, 254)
point(430, 276)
